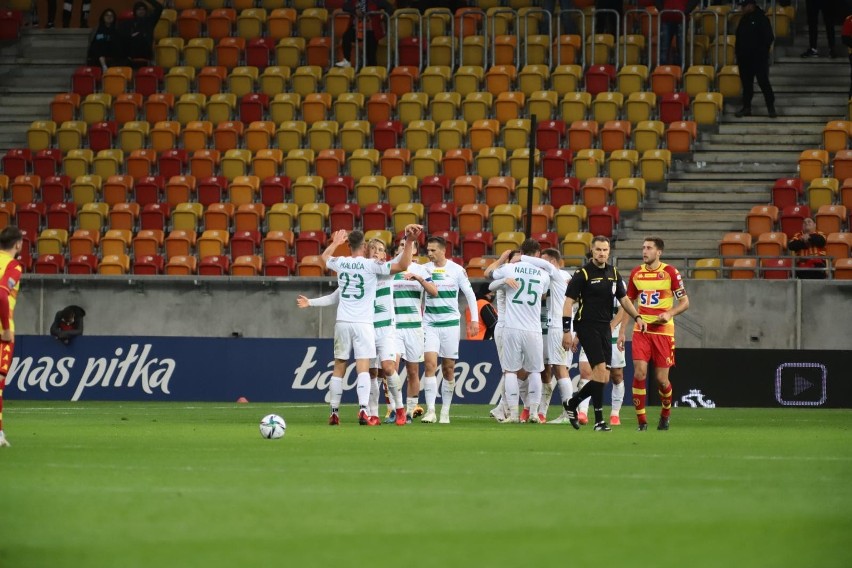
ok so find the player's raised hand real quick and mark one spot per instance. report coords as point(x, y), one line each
point(302, 302)
point(505, 256)
point(412, 231)
point(339, 237)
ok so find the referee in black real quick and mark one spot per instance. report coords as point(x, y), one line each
point(593, 287)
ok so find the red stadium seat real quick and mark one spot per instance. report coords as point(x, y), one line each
point(83, 264)
point(216, 265)
point(245, 243)
point(387, 135)
point(280, 266)
point(376, 216)
point(603, 220)
point(434, 189)
point(17, 162)
point(338, 190)
point(344, 216)
point(151, 264)
point(550, 134)
point(787, 192)
point(274, 190)
point(47, 162)
point(441, 217)
point(309, 243)
point(476, 244)
point(556, 163)
point(50, 264)
point(792, 217)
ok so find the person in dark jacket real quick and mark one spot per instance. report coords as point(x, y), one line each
point(754, 41)
point(67, 10)
point(68, 324)
point(137, 34)
point(103, 46)
point(375, 29)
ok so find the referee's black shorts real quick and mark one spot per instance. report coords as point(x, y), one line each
point(596, 341)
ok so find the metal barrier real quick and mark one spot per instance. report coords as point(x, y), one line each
point(473, 13)
point(642, 13)
point(386, 17)
point(582, 35)
point(715, 39)
point(438, 13)
point(526, 27)
point(492, 23)
point(681, 35)
point(395, 17)
point(617, 33)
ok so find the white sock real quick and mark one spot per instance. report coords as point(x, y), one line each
point(523, 390)
point(617, 397)
point(362, 387)
point(335, 393)
point(398, 400)
point(584, 404)
point(374, 397)
point(534, 392)
point(410, 403)
point(430, 392)
point(447, 388)
point(512, 393)
point(393, 390)
point(546, 395)
point(566, 388)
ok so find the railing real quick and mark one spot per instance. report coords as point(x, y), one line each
point(642, 13)
point(440, 13)
point(474, 14)
point(397, 15)
point(526, 27)
point(617, 34)
point(582, 20)
point(492, 24)
point(681, 36)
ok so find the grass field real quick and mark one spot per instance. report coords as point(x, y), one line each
point(169, 484)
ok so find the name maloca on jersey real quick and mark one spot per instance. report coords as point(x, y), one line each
point(127, 369)
point(470, 377)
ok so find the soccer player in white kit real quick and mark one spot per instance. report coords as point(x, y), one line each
point(501, 411)
point(523, 346)
point(357, 279)
point(408, 289)
point(442, 333)
point(555, 355)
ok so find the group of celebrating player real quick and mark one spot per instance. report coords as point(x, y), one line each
point(393, 310)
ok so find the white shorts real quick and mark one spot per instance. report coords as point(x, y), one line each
point(386, 346)
point(618, 359)
point(498, 338)
point(443, 340)
point(410, 344)
point(522, 350)
point(359, 338)
point(554, 353)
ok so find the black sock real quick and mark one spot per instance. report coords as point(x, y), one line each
point(597, 400)
point(582, 394)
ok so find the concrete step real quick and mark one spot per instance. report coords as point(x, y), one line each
point(728, 187)
point(707, 198)
point(750, 172)
point(699, 231)
point(721, 154)
point(710, 142)
point(666, 216)
point(775, 144)
point(756, 125)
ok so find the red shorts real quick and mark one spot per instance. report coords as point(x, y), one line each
point(7, 349)
point(655, 348)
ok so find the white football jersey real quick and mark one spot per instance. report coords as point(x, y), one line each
point(408, 297)
point(443, 310)
point(357, 279)
point(523, 306)
point(558, 284)
point(383, 306)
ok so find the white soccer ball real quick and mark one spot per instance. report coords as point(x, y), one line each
point(272, 427)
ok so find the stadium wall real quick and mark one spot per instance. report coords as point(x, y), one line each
point(185, 369)
point(723, 314)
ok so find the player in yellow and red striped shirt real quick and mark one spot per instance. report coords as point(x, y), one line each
point(11, 241)
point(658, 287)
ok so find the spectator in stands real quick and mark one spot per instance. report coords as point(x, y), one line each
point(809, 243)
point(103, 48)
point(671, 27)
point(370, 29)
point(487, 315)
point(137, 34)
point(566, 23)
point(814, 7)
point(67, 9)
point(606, 23)
point(753, 43)
point(68, 323)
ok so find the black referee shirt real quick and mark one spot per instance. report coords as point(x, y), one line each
point(593, 289)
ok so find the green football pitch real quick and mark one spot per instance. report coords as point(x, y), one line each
point(170, 484)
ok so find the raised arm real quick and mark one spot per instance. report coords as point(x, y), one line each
point(322, 301)
point(337, 239)
point(504, 258)
point(411, 234)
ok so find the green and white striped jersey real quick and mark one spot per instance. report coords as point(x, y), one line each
point(443, 310)
point(408, 298)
